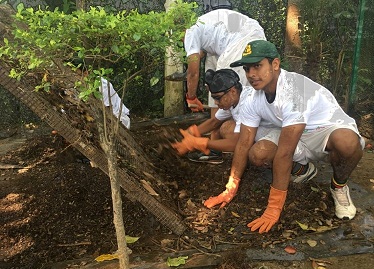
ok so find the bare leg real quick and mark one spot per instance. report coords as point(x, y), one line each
point(215, 134)
point(227, 129)
point(262, 153)
point(345, 152)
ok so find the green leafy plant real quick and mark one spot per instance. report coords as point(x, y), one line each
point(48, 42)
point(328, 37)
point(270, 14)
point(102, 39)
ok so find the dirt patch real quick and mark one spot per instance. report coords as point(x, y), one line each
point(58, 208)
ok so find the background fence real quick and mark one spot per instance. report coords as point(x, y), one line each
point(361, 96)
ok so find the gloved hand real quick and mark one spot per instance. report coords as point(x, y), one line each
point(226, 196)
point(194, 101)
point(190, 142)
point(272, 211)
point(194, 130)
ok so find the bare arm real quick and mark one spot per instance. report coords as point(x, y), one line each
point(209, 125)
point(244, 144)
point(225, 144)
point(282, 164)
point(239, 163)
point(193, 70)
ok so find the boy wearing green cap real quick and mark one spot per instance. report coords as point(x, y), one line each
point(313, 126)
point(230, 96)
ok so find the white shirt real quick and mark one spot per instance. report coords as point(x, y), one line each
point(298, 100)
point(234, 112)
point(115, 101)
point(216, 30)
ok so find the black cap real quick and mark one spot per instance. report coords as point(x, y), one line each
point(221, 80)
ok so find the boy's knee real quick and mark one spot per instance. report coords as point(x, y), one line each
point(227, 128)
point(262, 154)
point(345, 141)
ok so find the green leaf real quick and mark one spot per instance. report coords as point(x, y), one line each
point(14, 74)
point(154, 81)
point(176, 261)
point(303, 226)
point(131, 240)
point(136, 36)
point(20, 8)
point(47, 86)
point(115, 49)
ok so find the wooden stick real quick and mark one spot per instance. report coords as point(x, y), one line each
point(74, 244)
point(204, 106)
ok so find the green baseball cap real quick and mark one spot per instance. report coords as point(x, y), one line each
point(255, 51)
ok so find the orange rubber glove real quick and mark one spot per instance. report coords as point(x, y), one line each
point(272, 211)
point(194, 130)
point(190, 143)
point(194, 101)
point(225, 197)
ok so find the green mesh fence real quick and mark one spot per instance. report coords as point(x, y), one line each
point(361, 97)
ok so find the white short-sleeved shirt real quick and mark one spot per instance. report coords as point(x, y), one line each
point(216, 30)
point(234, 112)
point(298, 100)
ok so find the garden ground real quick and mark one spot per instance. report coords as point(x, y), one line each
point(56, 212)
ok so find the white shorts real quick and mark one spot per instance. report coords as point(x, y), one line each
point(312, 143)
point(268, 133)
point(272, 134)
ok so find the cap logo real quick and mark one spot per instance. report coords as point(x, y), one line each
point(247, 50)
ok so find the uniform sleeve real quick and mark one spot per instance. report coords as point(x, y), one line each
point(192, 42)
point(222, 114)
point(248, 115)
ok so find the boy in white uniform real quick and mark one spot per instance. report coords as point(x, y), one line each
point(225, 125)
point(314, 127)
point(231, 97)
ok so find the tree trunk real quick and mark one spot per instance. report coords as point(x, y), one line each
point(81, 5)
point(107, 138)
point(123, 254)
point(174, 93)
point(293, 50)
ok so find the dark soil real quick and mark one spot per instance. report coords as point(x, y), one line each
point(59, 208)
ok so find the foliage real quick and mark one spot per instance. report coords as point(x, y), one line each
point(328, 38)
point(142, 98)
point(270, 14)
point(135, 42)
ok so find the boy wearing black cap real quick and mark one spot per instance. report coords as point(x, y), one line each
point(230, 96)
point(228, 93)
point(313, 127)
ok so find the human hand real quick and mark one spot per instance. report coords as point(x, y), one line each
point(190, 142)
point(194, 130)
point(226, 196)
point(196, 104)
point(272, 212)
